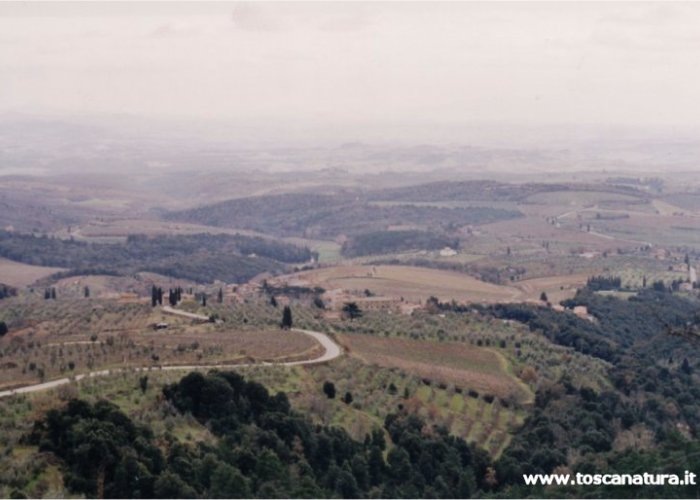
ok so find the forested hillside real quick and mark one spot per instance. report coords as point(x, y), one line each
point(198, 257)
point(264, 450)
point(384, 242)
point(642, 415)
point(486, 191)
point(649, 417)
point(325, 216)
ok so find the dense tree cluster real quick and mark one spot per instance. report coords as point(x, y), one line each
point(651, 410)
point(382, 242)
point(642, 317)
point(104, 453)
point(565, 329)
point(351, 310)
point(85, 271)
point(295, 291)
point(264, 450)
point(7, 291)
point(569, 422)
point(198, 257)
point(597, 283)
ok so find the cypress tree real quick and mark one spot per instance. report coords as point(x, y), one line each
point(685, 366)
point(287, 318)
point(352, 310)
point(329, 389)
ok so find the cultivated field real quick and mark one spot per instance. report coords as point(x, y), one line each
point(585, 199)
point(19, 275)
point(104, 286)
point(417, 283)
point(557, 288)
point(653, 229)
point(51, 339)
point(412, 283)
point(377, 391)
point(457, 363)
point(525, 350)
point(527, 235)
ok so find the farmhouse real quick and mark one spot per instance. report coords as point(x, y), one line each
point(660, 254)
point(448, 252)
point(581, 311)
point(589, 255)
point(335, 298)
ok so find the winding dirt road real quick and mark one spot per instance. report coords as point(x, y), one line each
point(332, 351)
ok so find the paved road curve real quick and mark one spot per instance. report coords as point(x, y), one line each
point(332, 351)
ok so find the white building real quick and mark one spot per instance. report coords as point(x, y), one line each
point(448, 252)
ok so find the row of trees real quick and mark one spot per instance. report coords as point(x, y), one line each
point(598, 283)
point(174, 296)
point(601, 282)
point(350, 310)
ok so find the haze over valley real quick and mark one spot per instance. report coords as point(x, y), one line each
point(348, 250)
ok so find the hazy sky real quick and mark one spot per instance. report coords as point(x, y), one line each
point(354, 64)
